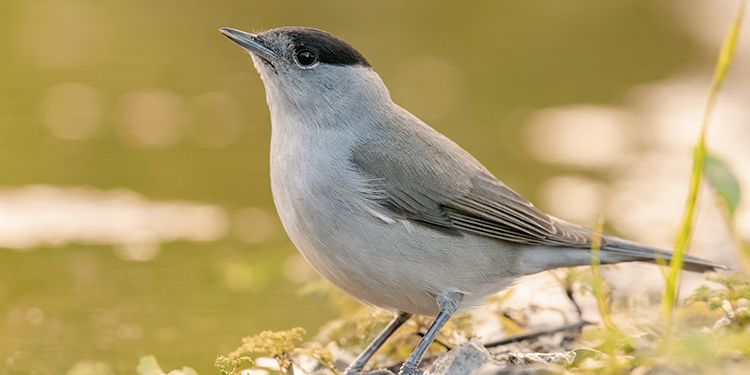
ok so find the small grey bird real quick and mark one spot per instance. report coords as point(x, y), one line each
point(388, 209)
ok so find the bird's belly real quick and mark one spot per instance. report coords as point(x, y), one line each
point(392, 265)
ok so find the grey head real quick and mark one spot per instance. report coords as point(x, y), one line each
point(306, 69)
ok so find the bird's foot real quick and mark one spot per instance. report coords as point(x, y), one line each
point(409, 368)
point(353, 371)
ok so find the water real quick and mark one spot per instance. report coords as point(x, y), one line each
point(135, 210)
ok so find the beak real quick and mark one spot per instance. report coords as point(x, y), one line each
point(249, 42)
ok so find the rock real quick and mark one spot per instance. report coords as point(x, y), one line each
point(495, 368)
point(564, 358)
point(741, 313)
point(466, 359)
point(472, 358)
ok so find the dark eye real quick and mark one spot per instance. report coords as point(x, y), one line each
point(305, 57)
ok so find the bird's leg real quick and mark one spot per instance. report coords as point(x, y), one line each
point(448, 304)
point(359, 363)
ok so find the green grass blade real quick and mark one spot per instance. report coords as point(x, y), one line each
point(699, 161)
point(597, 283)
point(724, 182)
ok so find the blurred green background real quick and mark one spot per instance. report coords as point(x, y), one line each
point(139, 120)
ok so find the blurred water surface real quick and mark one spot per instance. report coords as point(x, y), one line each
point(135, 209)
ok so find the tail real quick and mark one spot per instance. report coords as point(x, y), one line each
point(615, 250)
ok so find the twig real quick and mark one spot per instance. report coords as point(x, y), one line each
point(572, 298)
point(532, 335)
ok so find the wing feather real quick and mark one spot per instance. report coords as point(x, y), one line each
point(451, 191)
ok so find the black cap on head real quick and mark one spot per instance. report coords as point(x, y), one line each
point(330, 50)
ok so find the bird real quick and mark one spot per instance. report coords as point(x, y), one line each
point(388, 209)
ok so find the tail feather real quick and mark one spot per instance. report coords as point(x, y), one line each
point(617, 250)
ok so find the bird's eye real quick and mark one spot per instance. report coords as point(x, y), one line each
point(306, 58)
